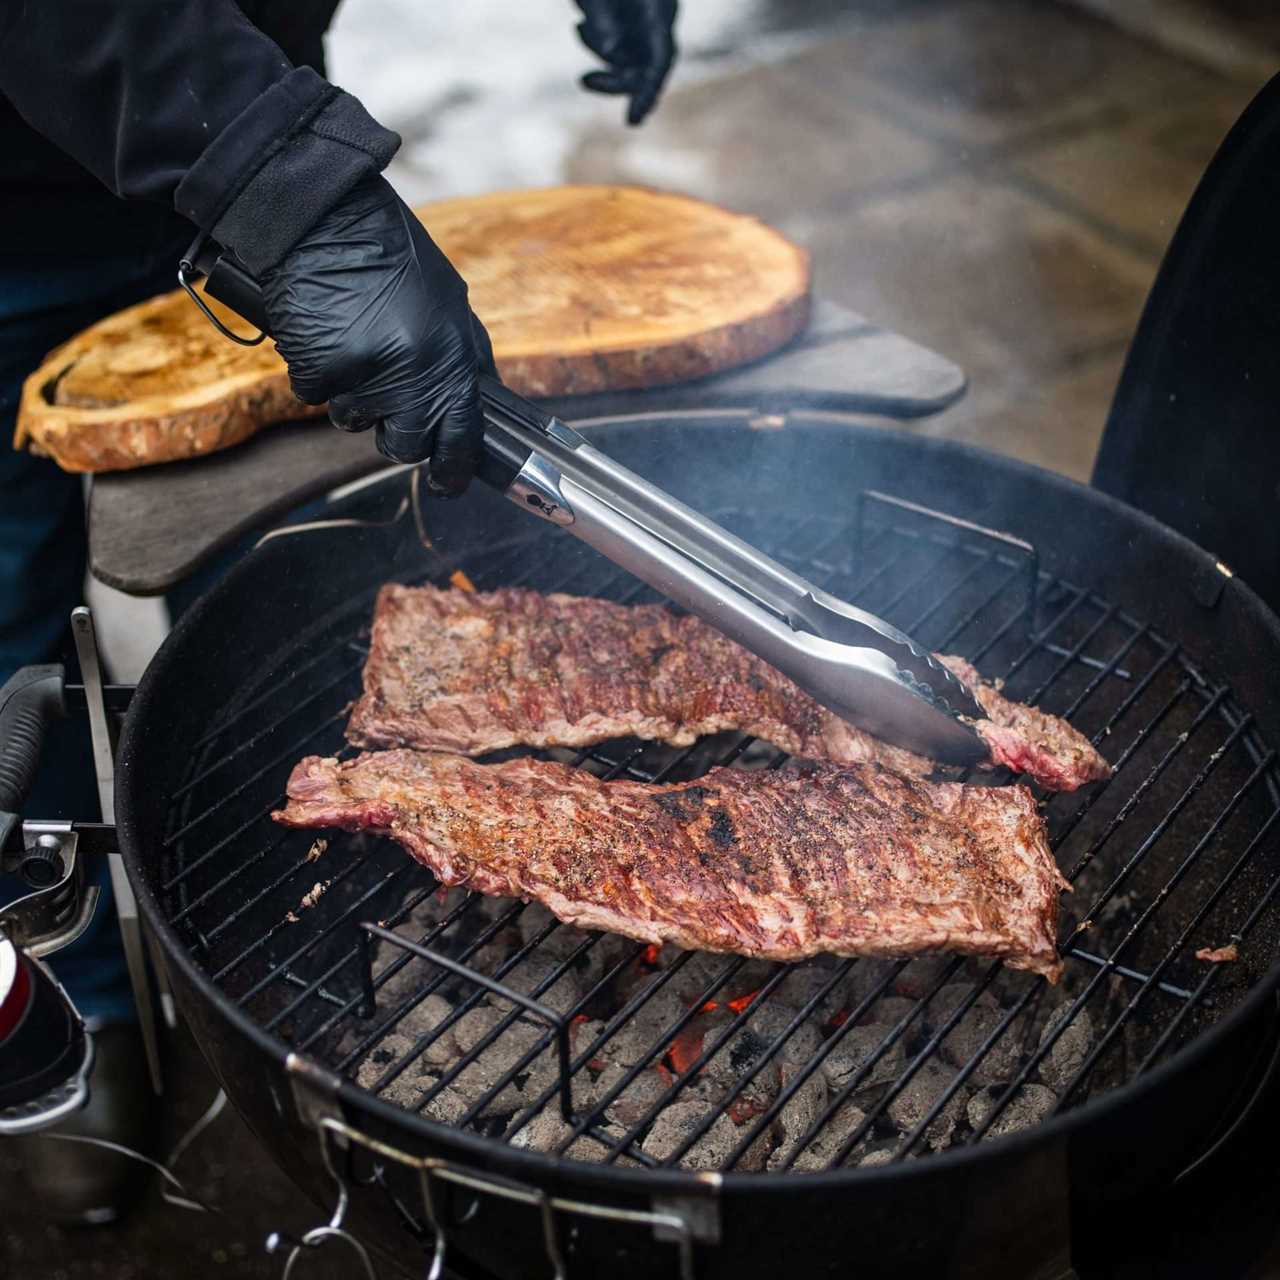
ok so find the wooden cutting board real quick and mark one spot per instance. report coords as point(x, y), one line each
point(583, 289)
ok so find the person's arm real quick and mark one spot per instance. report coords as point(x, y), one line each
point(188, 103)
point(185, 101)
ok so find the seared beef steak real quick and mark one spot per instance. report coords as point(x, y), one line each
point(780, 864)
point(1028, 740)
point(472, 673)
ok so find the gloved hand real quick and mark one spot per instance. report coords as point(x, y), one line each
point(371, 316)
point(634, 37)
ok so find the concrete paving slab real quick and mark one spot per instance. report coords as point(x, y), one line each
point(1137, 177)
point(987, 72)
point(984, 274)
point(1055, 422)
point(487, 97)
point(1198, 130)
point(1237, 37)
point(762, 142)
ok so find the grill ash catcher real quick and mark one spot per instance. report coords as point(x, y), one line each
point(46, 1051)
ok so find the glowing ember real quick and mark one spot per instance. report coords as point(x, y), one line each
point(742, 1001)
point(684, 1050)
point(595, 1064)
point(709, 1007)
point(460, 580)
point(741, 1110)
point(838, 1019)
point(649, 955)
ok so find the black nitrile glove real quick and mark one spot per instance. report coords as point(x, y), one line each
point(634, 37)
point(371, 316)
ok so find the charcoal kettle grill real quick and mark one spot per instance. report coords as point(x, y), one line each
point(305, 966)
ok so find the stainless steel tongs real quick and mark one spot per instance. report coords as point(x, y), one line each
point(859, 666)
point(862, 668)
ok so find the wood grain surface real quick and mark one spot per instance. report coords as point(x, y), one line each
point(588, 289)
point(584, 290)
point(153, 383)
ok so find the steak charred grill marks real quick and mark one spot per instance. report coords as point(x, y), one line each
point(841, 856)
point(473, 673)
point(779, 864)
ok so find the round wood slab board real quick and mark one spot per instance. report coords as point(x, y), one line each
point(583, 289)
point(605, 288)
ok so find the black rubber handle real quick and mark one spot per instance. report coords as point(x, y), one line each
point(506, 405)
point(501, 461)
point(230, 282)
point(32, 698)
point(504, 454)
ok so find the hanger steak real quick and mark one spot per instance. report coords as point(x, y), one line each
point(474, 672)
point(780, 864)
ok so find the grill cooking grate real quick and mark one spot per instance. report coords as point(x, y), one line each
point(806, 1066)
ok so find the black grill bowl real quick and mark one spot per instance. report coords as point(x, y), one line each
point(1135, 630)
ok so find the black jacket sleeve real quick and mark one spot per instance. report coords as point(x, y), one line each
point(185, 101)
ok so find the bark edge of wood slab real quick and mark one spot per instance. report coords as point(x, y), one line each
point(584, 290)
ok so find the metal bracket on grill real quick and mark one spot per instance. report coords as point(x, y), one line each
point(102, 738)
point(677, 1220)
point(315, 1095)
point(315, 1092)
point(670, 1220)
point(556, 1022)
point(314, 1088)
point(1006, 542)
point(700, 1216)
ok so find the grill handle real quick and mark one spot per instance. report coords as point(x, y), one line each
point(32, 697)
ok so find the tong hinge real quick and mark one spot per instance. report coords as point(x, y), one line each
point(537, 486)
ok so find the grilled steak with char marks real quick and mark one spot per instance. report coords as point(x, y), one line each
point(476, 672)
point(780, 864)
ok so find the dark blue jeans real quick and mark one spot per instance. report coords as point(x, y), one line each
point(43, 302)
